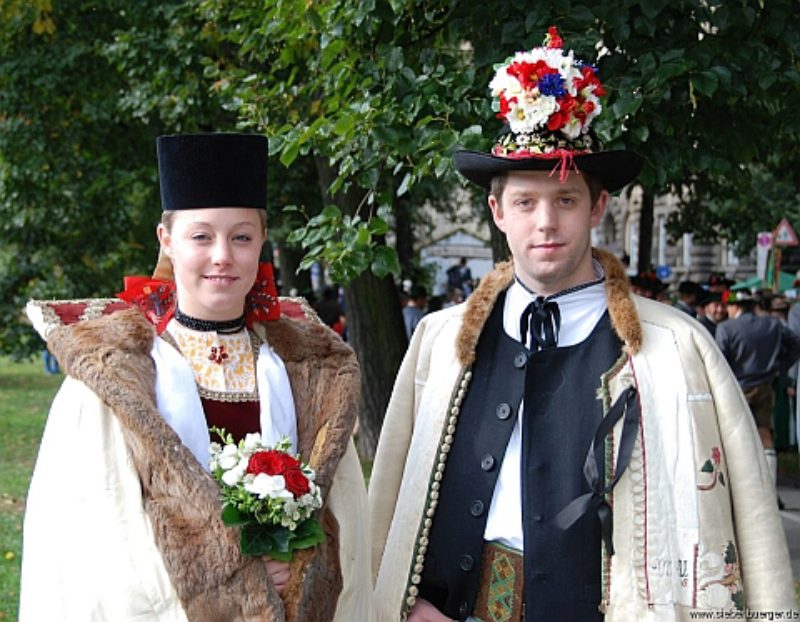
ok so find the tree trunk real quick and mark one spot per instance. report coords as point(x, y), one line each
point(646, 230)
point(375, 329)
point(289, 259)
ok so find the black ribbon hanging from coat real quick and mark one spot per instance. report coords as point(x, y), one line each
point(629, 408)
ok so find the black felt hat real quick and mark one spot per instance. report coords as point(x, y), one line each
point(706, 297)
point(212, 170)
point(548, 100)
point(614, 169)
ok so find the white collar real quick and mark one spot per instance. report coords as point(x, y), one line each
point(580, 309)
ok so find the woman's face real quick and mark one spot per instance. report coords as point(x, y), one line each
point(214, 253)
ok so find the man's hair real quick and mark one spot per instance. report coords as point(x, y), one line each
point(498, 185)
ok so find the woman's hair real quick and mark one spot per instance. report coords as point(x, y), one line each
point(163, 269)
point(168, 216)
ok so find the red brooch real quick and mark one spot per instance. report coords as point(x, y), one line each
point(218, 355)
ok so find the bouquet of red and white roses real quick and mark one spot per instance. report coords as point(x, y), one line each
point(269, 493)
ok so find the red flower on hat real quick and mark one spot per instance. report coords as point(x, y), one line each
point(553, 39)
point(562, 116)
point(529, 74)
point(505, 106)
point(589, 78)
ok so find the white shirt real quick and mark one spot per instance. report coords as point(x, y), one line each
point(580, 312)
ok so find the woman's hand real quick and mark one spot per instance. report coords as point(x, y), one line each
point(279, 573)
point(423, 611)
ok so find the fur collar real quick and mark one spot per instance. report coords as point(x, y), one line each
point(621, 307)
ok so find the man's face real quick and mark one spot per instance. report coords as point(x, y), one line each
point(547, 223)
point(717, 311)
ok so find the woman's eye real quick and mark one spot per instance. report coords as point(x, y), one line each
point(244, 237)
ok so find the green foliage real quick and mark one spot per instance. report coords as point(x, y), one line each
point(752, 201)
point(81, 102)
point(346, 244)
point(385, 91)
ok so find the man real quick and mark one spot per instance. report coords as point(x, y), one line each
point(647, 284)
point(713, 310)
point(459, 276)
point(758, 348)
point(414, 309)
point(522, 417)
point(688, 292)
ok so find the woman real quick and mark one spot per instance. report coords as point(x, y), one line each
point(123, 518)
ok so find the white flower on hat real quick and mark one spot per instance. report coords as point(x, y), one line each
point(532, 113)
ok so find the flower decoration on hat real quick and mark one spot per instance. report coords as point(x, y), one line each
point(548, 99)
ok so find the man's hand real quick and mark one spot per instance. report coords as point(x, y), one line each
point(423, 611)
point(279, 573)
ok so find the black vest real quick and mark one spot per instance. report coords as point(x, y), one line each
point(561, 414)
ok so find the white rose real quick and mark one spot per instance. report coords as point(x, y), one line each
point(252, 441)
point(264, 485)
point(229, 457)
point(232, 477)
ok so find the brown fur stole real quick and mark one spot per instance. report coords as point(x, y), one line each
point(214, 582)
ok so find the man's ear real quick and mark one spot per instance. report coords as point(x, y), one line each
point(599, 208)
point(497, 212)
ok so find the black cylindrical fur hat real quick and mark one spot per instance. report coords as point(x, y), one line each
point(212, 170)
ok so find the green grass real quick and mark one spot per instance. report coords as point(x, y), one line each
point(25, 396)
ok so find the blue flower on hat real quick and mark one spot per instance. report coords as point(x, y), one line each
point(552, 84)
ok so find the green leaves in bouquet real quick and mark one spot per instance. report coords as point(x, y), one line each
point(279, 542)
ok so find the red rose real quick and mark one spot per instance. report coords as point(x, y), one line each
point(296, 482)
point(271, 462)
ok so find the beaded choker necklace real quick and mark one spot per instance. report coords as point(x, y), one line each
point(225, 327)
